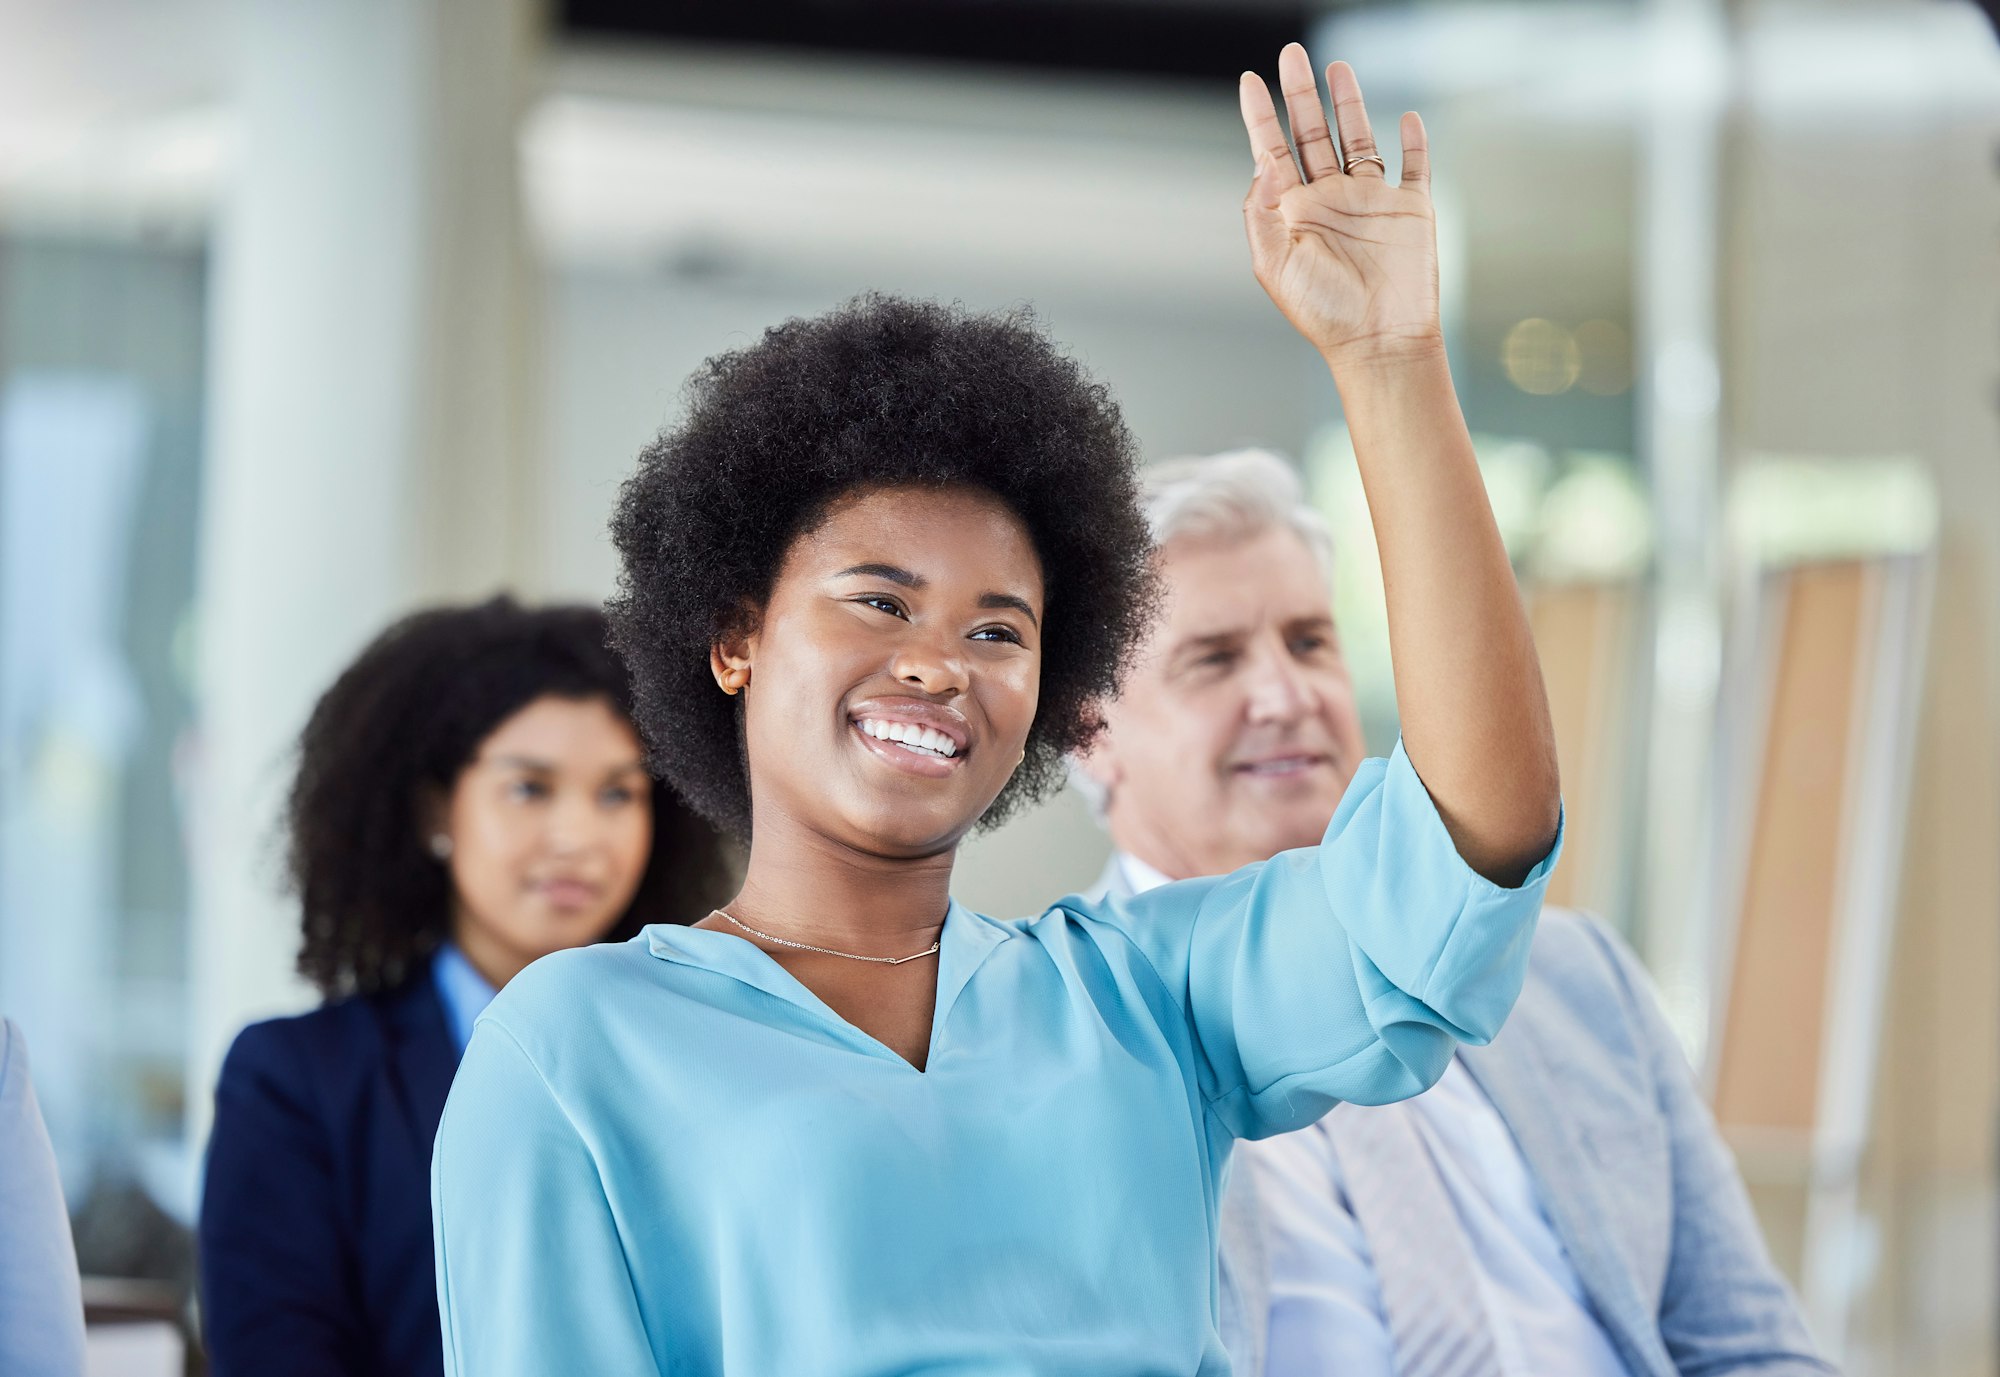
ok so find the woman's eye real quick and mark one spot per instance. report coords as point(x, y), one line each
point(618, 797)
point(1004, 634)
point(882, 604)
point(528, 790)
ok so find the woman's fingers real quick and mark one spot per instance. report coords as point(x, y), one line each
point(1276, 172)
point(1308, 117)
point(1357, 140)
point(1416, 155)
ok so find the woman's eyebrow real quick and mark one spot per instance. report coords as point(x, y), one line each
point(531, 765)
point(894, 573)
point(521, 762)
point(1010, 600)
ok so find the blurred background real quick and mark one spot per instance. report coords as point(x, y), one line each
point(314, 313)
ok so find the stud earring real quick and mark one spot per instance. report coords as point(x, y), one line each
point(441, 846)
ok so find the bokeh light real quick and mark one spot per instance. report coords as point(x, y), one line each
point(1541, 358)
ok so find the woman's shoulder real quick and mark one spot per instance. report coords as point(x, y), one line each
point(561, 974)
point(557, 990)
point(1108, 913)
point(571, 1023)
point(347, 1031)
point(1140, 933)
point(289, 1035)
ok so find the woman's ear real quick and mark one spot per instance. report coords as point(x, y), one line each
point(731, 671)
point(729, 661)
point(433, 819)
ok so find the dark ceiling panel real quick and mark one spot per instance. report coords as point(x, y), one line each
point(1210, 39)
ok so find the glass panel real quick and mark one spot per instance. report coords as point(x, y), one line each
point(100, 420)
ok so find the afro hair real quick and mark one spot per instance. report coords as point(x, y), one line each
point(399, 725)
point(880, 392)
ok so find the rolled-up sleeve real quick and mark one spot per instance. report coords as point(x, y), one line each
point(1346, 971)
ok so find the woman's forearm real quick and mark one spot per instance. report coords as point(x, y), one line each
point(1475, 718)
point(1352, 262)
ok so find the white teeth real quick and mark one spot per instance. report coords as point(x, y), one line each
point(911, 735)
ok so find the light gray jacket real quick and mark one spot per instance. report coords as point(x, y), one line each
point(41, 1304)
point(1636, 1180)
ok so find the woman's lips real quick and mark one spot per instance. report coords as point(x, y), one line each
point(893, 715)
point(912, 760)
point(568, 893)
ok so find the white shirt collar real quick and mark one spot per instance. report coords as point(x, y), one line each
point(1139, 877)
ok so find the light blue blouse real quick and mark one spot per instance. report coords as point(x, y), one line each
point(668, 1156)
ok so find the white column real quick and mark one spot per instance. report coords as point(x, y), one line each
point(365, 415)
point(1681, 442)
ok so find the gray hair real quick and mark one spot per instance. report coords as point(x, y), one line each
point(1231, 497)
point(1223, 498)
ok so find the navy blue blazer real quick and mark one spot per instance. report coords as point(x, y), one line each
point(316, 1214)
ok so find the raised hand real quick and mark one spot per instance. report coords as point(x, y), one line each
point(1349, 259)
point(1352, 262)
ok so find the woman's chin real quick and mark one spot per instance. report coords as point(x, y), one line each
point(907, 829)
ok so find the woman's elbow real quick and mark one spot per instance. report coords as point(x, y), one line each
point(1506, 848)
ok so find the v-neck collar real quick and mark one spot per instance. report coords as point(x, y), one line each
point(963, 945)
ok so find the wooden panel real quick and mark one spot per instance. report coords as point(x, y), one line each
point(1769, 1062)
point(1582, 634)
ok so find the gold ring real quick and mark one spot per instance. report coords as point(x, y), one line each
point(1347, 164)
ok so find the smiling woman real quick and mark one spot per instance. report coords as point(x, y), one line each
point(931, 666)
point(875, 585)
point(904, 401)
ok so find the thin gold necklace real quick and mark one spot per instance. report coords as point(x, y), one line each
point(931, 950)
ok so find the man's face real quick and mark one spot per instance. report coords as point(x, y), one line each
point(1237, 731)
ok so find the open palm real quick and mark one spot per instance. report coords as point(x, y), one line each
point(1350, 259)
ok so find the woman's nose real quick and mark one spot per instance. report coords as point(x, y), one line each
point(573, 822)
point(930, 664)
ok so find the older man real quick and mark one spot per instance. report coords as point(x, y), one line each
point(1560, 1203)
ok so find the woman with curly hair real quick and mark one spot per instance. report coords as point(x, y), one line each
point(471, 795)
point(874, 583)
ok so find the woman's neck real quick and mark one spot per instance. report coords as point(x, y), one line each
point(810, 888)
point(496, 960)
